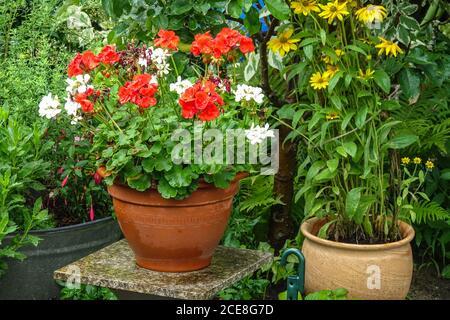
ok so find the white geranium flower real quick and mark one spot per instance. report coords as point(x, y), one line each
point(75, 120)
point(78, 85)
point(159, 57)
point(257, 134)
point(49, 106)
point(180, 86)
point(248, 93)
point(71, 107)
point(143, 62)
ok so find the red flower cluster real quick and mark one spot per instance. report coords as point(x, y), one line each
point(87, 105)
point(88, 61)
point(108, 55)
point(225, 41)
point(139, 91)
point(167, 39)
point(202, 100)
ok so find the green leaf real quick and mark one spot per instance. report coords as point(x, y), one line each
point(334, 81)
point(234, 8)
point(323, 232)
point(336, 102)
point(360, 118)
point(166, 190)
point(446, 272)
point(352, 202)
point(346, 120)
point(180, 7)
point(179, 177)
point(332, 164)
point(251, 21)
point(409, 22)
point(409, 81)
point(382, 80)
point(356, 48)
point(278, 8)
point(325, 175)
point(141, 183)
point(314, 170)
point(323, 36)
point(223, 179)
point(401, 141)
point(350, 148)
point(341, 151)
point(309, 51)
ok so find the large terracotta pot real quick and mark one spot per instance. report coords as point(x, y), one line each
point(379, 271)
point(173, 235)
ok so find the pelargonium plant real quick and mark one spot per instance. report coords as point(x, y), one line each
point(131, 103)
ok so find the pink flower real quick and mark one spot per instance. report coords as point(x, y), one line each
point(91, 213)
point(64, 182)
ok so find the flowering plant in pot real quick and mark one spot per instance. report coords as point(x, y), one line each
point(351, 178)
point(143, 120)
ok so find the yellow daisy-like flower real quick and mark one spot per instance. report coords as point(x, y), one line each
point(388, 47)
point(406, 160)
point(319, 81)
point(332, 116)
point(371, 13)
point(365, 75)
point(339, 53)
point(283, 42)
point(333, 10)
point(304, 7)
point(429, 164)
point(417, 160)
point(331, 70)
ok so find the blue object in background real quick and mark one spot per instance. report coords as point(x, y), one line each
point(264, 26)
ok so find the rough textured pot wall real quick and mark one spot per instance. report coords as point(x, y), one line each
point(381, 271)
point(173, 235)
point(33, 277)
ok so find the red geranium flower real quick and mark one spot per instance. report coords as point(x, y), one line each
point(139, 91)
point(201, 100)
point(83, 63)
point(108, 55)
point(167, 39)
point(74, 68)
point(246, 45)
point(203, 43)
point(87, 105)
point(225, 41)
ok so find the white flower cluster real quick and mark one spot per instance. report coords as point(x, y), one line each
point(78, 85)
point(49, 106)
point(180, 86)
point(257, 134)
point(248, 93)
point(159, 57)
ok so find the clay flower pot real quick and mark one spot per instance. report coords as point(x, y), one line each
point(173, 235)
point(375, 272)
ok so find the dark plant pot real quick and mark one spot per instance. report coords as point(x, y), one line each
point(32, 279)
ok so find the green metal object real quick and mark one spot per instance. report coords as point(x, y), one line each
point(295, 283)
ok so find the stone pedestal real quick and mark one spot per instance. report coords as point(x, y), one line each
point(114, 267)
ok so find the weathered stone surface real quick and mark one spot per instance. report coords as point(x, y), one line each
point(114, 267)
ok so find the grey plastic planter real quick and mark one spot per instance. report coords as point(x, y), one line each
point(32, 279)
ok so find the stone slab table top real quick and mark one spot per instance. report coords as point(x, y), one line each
point(114, 267)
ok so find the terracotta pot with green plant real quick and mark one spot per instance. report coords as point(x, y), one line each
point(158, 139)
point(358, 192)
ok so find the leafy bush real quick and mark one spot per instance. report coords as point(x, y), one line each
point(22, 171)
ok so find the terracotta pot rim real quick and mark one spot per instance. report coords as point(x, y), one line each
point(406, 230)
